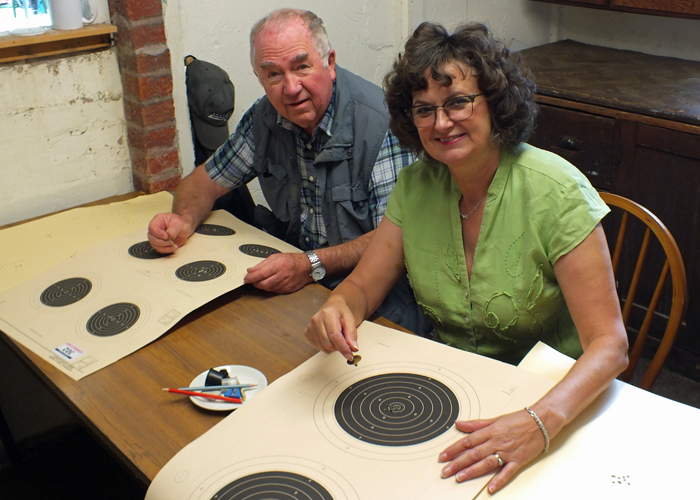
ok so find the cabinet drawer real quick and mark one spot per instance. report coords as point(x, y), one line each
point(587, 141)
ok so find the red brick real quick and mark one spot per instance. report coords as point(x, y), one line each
point(147, 138)
point(153, 162)
point(153, 113)
point(150, 185)
point(148, 87)
point(131, 86)
point(136, 9)
point(145, 63)
point(147, 34)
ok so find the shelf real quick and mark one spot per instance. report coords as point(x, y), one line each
point(56, 42)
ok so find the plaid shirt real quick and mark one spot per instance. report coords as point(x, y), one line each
point(232, 166)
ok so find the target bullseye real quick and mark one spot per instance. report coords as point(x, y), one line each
point(396, 409)
point(203, 270)
point(113, 319)
point(66, 292)
point(273, 485)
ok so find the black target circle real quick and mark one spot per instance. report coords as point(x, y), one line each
point(66, 292)
point(215, 230)
point(258, 250)
point(202, 270)
point(273, 485)
point(113, 319)
point(144, 250)
point(396, 409)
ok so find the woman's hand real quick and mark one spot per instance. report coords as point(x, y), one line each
point(332, 328)
point(515, 437)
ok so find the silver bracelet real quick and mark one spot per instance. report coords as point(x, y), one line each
point(544, 431)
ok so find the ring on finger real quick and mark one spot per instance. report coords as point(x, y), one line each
point(500, 460)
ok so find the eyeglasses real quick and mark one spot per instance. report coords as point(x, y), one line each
point(458, 108)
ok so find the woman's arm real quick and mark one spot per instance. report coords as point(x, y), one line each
point(586, 280)
point(334, 326)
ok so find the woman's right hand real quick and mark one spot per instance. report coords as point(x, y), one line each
point(333, 328)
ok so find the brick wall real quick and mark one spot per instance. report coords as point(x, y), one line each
point(144, 62)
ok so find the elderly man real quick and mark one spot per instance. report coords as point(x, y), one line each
point(319, 143)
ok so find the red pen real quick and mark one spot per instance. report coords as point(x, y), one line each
point(204, 395)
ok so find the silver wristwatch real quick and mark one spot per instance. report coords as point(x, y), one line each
point(318, 271)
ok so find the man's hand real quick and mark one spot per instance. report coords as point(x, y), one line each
point(168, 232)
point(281, 273)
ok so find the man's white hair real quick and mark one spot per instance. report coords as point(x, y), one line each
point(281, 19)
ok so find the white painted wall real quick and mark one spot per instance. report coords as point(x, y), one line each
point(62, 133)
point(62, 128)
point(662, 36)
point(535, 23)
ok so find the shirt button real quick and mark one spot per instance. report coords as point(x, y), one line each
point(308, 146)
point(311, 210)
point(311, 178)
point(307, 239)
point(466, 319)
point(466, 293)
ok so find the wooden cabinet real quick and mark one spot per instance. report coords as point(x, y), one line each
point(670, 8)
point(631, 123)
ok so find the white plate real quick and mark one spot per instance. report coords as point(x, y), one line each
point(245, 374)
point(29, 31)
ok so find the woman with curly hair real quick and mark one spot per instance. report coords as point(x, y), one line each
point(502, 242)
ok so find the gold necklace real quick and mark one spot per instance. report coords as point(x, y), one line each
point(466, 217)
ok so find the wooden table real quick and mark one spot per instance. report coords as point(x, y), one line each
point(123, 404)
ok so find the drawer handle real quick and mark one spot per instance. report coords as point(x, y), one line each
point(570, 143)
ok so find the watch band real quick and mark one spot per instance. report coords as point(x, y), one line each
point(318, 270)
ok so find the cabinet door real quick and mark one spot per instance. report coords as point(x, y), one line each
point(587, 141)
point(657, 6)
point(662, 172)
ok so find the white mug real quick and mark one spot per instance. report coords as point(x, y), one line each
point(68, 14)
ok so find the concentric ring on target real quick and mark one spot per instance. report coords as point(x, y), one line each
point(202, 270)
point(66, 292)
point(113, 319)
point(258, 250)
point(273, 485)
point(215, 230)
point(396, 409)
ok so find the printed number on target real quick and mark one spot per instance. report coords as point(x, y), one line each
point(69, 351)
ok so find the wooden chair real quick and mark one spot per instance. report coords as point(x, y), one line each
point(673, 262)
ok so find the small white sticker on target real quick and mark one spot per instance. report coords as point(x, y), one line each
point(69, 351)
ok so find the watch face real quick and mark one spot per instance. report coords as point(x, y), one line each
point(319, 273)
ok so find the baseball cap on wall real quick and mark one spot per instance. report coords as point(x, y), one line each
point(211, 97)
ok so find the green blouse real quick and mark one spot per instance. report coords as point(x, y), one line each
point(538, 208)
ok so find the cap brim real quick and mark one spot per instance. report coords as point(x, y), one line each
point(210, 136)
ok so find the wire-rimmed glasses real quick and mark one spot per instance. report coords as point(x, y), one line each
point(458, 108)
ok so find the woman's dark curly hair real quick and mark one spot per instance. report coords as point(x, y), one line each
point(509, 92)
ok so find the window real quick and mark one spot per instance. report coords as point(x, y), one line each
point(24, 17)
